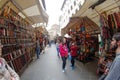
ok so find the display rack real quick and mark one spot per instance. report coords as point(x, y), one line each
point(16, 37)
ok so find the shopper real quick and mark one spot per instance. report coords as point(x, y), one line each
point(63, 52)
point(68, 44)
point(6, 72)
point(37, 48)
point(57, 47)
point(73, 54)
point(114, 72)
point(43, 45)
point(49, 42)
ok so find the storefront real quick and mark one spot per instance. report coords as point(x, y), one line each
point(94, 26)
point(17, 35)
point(84, 32)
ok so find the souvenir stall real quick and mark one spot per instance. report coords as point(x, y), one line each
point(16, 35)
point(42, 35)
point(84, 32)
point(105, 13)
point(110, 24)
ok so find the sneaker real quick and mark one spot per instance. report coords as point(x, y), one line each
point(63, 71)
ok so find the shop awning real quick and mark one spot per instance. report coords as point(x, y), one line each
point(33, 9)
point(107, 7)
point(75, 23)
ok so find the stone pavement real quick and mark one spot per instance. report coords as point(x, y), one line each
point(49, 67)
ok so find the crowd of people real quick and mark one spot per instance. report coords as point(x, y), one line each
point(72, 48)
point(66, 49)
point(112, 67)
point(41, 43)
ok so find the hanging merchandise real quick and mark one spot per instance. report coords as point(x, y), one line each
point(117, 18)
point(102, 22)
point(114, 23)
point(110, 25)
point(15, 39)
point(6, 11)
point(82, 28)
point(105, 32)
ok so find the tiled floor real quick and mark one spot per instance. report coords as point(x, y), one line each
point(49, 67)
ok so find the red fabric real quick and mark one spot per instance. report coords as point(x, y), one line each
point(63, 50)
point(117, 19)
point(73, 50)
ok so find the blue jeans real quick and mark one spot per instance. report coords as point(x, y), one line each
point(73, 61)
point(57, 50)
point(38, 52)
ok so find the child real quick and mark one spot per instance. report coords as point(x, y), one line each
point(57, 47)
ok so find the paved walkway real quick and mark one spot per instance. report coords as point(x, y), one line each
point(49, 67)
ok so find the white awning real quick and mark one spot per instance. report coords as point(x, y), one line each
point(32, 9)
point(109, 6)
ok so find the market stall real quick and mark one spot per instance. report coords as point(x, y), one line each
point(84, 32)
point(106, 14)
point(16, 32)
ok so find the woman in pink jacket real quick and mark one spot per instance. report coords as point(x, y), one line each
point(63, 52)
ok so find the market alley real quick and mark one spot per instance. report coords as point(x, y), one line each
point(48, 67)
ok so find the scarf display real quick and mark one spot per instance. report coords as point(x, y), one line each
point(109, 26)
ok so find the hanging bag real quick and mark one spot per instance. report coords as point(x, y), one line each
point(13, 74)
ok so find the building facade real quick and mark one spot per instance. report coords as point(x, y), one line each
point(54, 31)
point(69, 8)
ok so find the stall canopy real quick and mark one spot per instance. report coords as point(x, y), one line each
point(76, 22)
point(31, 9)
point(93, 8)
point(90, 12)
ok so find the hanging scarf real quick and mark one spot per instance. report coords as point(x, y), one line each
point(117, 19)
point(110, 25)
point(114, 24)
